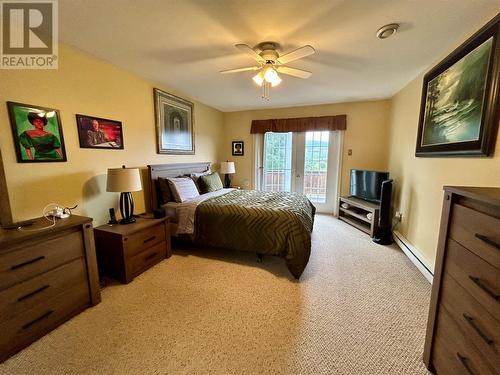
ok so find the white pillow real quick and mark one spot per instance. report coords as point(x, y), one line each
point(183, 189)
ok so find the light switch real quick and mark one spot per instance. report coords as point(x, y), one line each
point(349, 152)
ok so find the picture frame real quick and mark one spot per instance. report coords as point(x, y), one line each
point(174, 124)
point(238, 148)
point(460, 99)
point(99, 133)
point(37, 133)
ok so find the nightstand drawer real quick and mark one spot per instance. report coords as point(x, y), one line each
point(475, 275)
point(480, 327)
point(26, 262)
point(478, 232)
point(39, 289)
point(453, 353)
point(139, 241)
point(146, 259)
point(33, 323)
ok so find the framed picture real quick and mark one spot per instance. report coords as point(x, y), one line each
point(460, 99)
point(37, 133)
point(100, 133)
point(174, 124)
point(238, 148)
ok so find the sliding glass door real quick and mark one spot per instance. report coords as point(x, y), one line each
point(306, 163)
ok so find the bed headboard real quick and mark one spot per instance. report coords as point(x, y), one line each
point(170, 170)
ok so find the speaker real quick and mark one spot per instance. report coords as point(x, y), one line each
point(383, 236)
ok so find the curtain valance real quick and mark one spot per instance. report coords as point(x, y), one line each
point(300, 124)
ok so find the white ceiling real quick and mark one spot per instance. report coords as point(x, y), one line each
point(185, 43)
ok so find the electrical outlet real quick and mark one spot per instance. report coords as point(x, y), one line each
point(398, 216)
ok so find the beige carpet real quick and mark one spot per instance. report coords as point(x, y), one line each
point(359, 308)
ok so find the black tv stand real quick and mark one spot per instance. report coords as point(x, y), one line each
point(356, 214)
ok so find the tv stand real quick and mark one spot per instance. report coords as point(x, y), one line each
point(356, 214)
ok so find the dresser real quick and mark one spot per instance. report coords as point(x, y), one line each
point(126, 250)
point(46, 277)
point(463, 330)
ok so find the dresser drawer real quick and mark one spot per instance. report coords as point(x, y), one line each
point(453, 354)
point(146, 259)
point(37, 290)
point(139, 241)
point(478, 232)
point(25, 262)
point(475, 275)
point(31, 324)
point(481, 328)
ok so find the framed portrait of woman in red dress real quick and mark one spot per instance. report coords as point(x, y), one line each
point(37, 133)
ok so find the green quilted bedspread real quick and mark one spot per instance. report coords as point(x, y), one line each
point(273, 223)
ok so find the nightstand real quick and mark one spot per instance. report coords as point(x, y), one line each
point(127, 250)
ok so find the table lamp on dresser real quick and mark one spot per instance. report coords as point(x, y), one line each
point(227, 168)
point(124, 180)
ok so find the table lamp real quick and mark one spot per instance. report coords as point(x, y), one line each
point(227, 168)
point(124, 180)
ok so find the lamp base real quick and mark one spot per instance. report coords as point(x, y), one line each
point(127, 208)
point(129, 220)
point(227, 180)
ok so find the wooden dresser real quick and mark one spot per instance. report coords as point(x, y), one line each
point(46, 277)
point(463, 330)
point(126, 250)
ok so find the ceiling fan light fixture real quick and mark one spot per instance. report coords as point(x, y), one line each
point(271, 76)
point(258, 78)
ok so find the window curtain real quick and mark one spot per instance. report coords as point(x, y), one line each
point(258, 160)
point(300, 124)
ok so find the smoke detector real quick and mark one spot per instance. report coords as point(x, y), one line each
point(388, 30)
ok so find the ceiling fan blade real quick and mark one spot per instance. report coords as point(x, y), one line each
point(296, 54)
point(294, 72)
point(249, 51)
point(237, 70)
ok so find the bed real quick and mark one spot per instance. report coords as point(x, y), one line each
point(268, 223)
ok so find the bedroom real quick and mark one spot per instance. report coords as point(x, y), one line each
point(108, 71)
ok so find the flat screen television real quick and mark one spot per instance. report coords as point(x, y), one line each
point(367, 184)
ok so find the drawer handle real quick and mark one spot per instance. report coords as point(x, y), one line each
point(487, 240)
point(32, 293)
point(27, 325)
point(473, 324)
point(149, 239)
point(34, 260)
point(481, 284)
point(150, 256)
point(463, 362)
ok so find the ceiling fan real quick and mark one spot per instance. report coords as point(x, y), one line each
point(270, 63)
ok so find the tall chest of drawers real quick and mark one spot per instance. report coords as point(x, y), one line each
point(46, 277)
point(463, 330)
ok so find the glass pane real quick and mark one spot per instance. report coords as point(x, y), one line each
point(277, 162)
point(316, 165)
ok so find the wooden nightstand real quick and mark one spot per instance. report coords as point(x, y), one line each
point(125, 251)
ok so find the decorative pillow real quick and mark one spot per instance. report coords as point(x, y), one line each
point(164, 194)
point(196, 177)
point(183, 189)
point(211, 182)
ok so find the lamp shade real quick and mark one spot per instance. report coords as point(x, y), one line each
point(123, 180)
point(227, 167)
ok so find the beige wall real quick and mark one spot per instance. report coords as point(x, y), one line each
point(89, 86)
point(419, 181)
point(366, 135)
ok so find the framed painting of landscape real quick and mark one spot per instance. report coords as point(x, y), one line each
point(460, 99)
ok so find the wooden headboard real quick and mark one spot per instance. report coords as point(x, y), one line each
point(170, 170)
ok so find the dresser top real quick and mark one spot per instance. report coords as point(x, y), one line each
point(9, 236)
point(489, 195)
point(128, 229)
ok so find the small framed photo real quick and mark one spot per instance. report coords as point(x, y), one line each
point(238, 148)
point(174, 124)
point(37, 132)
point(101, 133)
